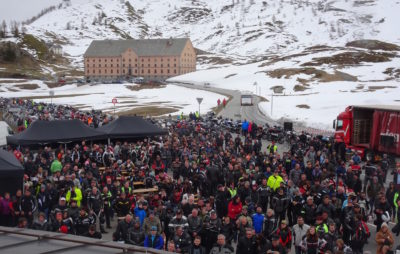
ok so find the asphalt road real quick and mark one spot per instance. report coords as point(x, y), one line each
point(233, 109)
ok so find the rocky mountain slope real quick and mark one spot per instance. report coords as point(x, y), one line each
point(237, 28)
point(326, 53)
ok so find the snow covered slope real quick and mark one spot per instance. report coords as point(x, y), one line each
point(316, 56)
point(249, 28)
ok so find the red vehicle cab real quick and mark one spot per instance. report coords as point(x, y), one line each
point(369, 130)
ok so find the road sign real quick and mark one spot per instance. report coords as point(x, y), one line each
point(51, 93)
point(114, 101)
point(199, 100)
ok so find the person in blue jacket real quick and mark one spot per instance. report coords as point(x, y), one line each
point(140, 212)
point(154, 240)
point(258, 220)
point(245, 127)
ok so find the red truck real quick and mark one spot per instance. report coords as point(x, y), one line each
point(369, 130)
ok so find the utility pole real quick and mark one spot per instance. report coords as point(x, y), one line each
point(199, 100)
point(51, 93)
point(272, 103)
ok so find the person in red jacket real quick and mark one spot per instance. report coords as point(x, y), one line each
point(234, 208)
point(285, 236)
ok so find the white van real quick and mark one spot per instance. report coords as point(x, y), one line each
point(5, 131)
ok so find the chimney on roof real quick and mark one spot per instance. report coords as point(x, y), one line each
point(169, 42)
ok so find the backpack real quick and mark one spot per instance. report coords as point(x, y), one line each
point(362, 232)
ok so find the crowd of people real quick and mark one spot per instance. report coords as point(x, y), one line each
point(216, 192)
point(21, 113)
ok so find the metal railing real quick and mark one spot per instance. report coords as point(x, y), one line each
point(81, 241)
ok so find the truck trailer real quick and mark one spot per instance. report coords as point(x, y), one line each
point(246, 100)
point(369, 130)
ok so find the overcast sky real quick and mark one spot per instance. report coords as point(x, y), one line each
point(21, 10)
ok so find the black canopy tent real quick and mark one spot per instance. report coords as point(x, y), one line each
point(11, 173)
point(131, 127)
point(58, 131)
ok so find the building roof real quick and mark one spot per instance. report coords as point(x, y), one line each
point(14, 240)
point(149, 47)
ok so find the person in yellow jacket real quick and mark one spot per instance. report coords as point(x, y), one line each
point(274, 181)
point(74, 193)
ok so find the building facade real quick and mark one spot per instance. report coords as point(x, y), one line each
point(153, 59)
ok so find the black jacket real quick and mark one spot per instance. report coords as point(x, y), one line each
point(182, 242)
point(96, 235)
point(45, 226)
point(122, 230)
point(221, 203)
point(195, 224)
point(247, 245)
point(28, 204)
point(192, 249)
point(136, 236)
point(270, 226)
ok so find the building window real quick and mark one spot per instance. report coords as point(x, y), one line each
point(142, 59)
point(117, 65)
point(129, 60)
point(174, 59)
point(111, 71)
point(130, 66)
point(94, 66)
point(162, 71)
point(123, 65)
point(175, 71)
point(142, 65)
point(155, 71)
point(123, 60)
point(168, 59)
point(167, 65)
point(136, 70)
point(117, 71)
point(111, 65)
point(87, 66)
point(105, 65)
point(105, 60)
point(94, 71)
point(148, 65)
point(148, 71)
point(155, 65)
point(174, 65)
point(161, 65)
point(168, 71)
point(135, 59)
point(162, 59)
point(99, 60)
point(111, 60)
point(135, 65)
point(148, 59)
point(99, 71)
point(123, 71)
point(142, 71)
point(105, 71)
point(93, 60)
point(99, 65)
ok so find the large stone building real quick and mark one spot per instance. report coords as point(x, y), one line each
point(154, 59)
